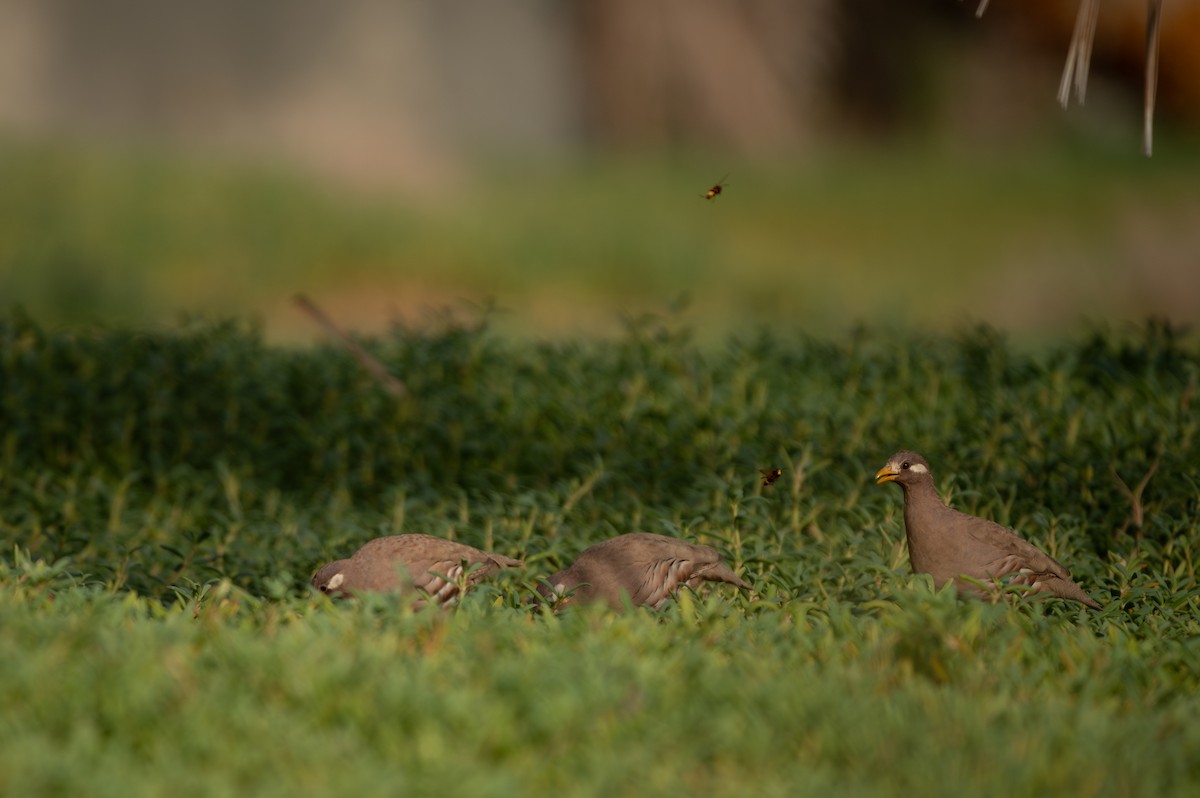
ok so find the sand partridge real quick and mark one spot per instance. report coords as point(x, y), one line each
point(949, 545)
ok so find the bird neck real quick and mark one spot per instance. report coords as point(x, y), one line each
point(922, 509)
point(922, 492)
point(921, 505)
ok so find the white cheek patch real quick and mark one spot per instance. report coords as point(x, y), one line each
point(917, 468)
point(335, 581)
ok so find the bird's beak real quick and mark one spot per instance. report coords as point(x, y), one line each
point(886, 474)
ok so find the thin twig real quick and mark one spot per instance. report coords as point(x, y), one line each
point(1079, 59)
point(1134, 496)
point(1079, 54)
point(1153, 16)
point(1085, 54)
point(376, 369)
point(981, 8)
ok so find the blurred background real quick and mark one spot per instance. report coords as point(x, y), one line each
point(886, 163)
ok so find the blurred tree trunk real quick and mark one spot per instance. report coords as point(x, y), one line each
point(747, 76)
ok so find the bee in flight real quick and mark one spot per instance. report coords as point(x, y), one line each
point(769, 475)
point(716, 190)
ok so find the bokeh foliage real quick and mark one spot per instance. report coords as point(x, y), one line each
point(1028, 238)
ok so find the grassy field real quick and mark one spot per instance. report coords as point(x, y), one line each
point(165, 494)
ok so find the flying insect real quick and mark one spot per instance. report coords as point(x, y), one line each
point(716, 190)
point(769, 475)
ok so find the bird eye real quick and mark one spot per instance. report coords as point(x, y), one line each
point(904, 465)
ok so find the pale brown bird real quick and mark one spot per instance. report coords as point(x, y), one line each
point(949, 545)
point(647, 568)
point(429, 564)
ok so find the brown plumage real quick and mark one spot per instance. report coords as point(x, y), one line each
point(647, 568)
point(409, 561)
point(949, 545)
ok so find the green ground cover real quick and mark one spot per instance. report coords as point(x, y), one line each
point(166, 492)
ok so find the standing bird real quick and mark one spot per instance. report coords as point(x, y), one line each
point(949, 545)
point(432, 565)
point(647, 568)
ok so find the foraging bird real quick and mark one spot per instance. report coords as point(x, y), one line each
point(647, 568)
point(949, 545)
point(432, 565)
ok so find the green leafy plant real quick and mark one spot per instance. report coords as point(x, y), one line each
point(166, 494)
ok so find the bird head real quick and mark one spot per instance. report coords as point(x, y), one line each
point(329, 578)
point(906, 468)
